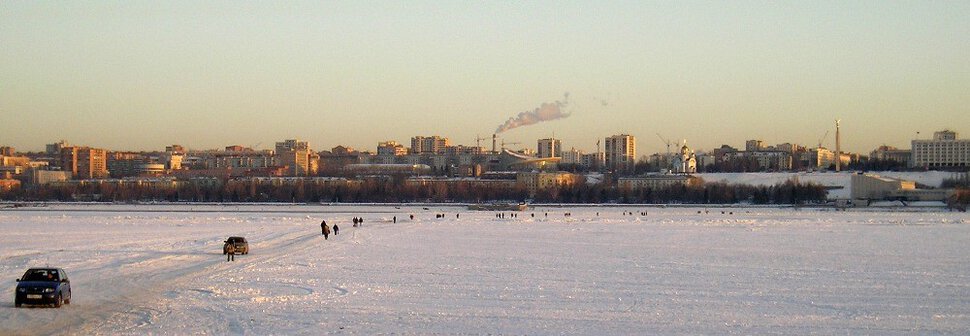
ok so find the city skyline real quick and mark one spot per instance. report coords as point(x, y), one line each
point(143, 76)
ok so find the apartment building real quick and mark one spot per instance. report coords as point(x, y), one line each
point(549, 148)
point(620, 152)
point(85, 162)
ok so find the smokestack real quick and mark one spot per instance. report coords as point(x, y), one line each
point(493, 142)
point(838, 147)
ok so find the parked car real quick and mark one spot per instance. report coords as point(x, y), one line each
point(43, 286)
point(242, 246)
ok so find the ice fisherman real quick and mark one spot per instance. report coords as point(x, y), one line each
point(230, 251)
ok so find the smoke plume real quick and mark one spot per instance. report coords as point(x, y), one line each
point(545, 112)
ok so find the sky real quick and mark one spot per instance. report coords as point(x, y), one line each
point(140, 75)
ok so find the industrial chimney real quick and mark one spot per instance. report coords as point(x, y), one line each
point(494, 136)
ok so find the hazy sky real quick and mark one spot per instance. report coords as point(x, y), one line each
point(140, 75)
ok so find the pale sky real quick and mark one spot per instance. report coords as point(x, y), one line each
point(139, 75)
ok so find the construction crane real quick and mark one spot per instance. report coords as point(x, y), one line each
point(478, 140)
point(665, 141)
point(509, 143)
point(822, 139)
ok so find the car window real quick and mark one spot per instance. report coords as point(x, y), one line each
point(40, 275)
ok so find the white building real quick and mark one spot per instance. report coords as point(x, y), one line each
point(572, 156)
point(549, 148)
point(945, 150)
point(686, 162)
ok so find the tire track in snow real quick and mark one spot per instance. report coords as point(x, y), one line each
point(159, 293)
point(128, 289)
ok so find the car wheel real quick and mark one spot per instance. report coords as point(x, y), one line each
point(59, 301)
point(17, 304)
point(68, 300)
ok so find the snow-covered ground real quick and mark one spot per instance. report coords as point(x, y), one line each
point(159, 270)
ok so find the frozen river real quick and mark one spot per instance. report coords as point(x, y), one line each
point(160, 270)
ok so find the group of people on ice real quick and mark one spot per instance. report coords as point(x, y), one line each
point(325, 229)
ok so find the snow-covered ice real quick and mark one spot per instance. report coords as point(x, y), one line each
point(159, 270)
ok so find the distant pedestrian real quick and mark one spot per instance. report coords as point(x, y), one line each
point(323, 225)
point(326, 231)
point(360, 222)
point(395, 218)
point(457, 216)
point(336, 230)
point(230, 251)
point(533, 215)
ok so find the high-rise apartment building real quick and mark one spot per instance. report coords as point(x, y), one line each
point(572, 156)
point(428, 145)
point(297, 161)
point(85, 162)
point(945, 150)
point(594, 161)
point(54, 149)
point(391, 148)
point(549, 148)
point(754, 145)
point(175, 149)
point(621, 152)
point(296, 156)
point(292, 144)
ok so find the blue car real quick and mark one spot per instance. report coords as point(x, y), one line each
point(47, 286)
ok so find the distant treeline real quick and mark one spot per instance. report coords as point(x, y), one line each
point(788, 192)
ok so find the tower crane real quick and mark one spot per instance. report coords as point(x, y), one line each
point(822, 139)
point(666, 142)
point(478, 140)
point(509, 143)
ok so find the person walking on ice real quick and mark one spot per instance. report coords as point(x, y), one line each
point(230, 251)
point(336, 229)
point(325, 229)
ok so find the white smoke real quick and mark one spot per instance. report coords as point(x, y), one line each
point(547, 111)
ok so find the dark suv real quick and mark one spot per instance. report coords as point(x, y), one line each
point(43, 286)
point(240, 243)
